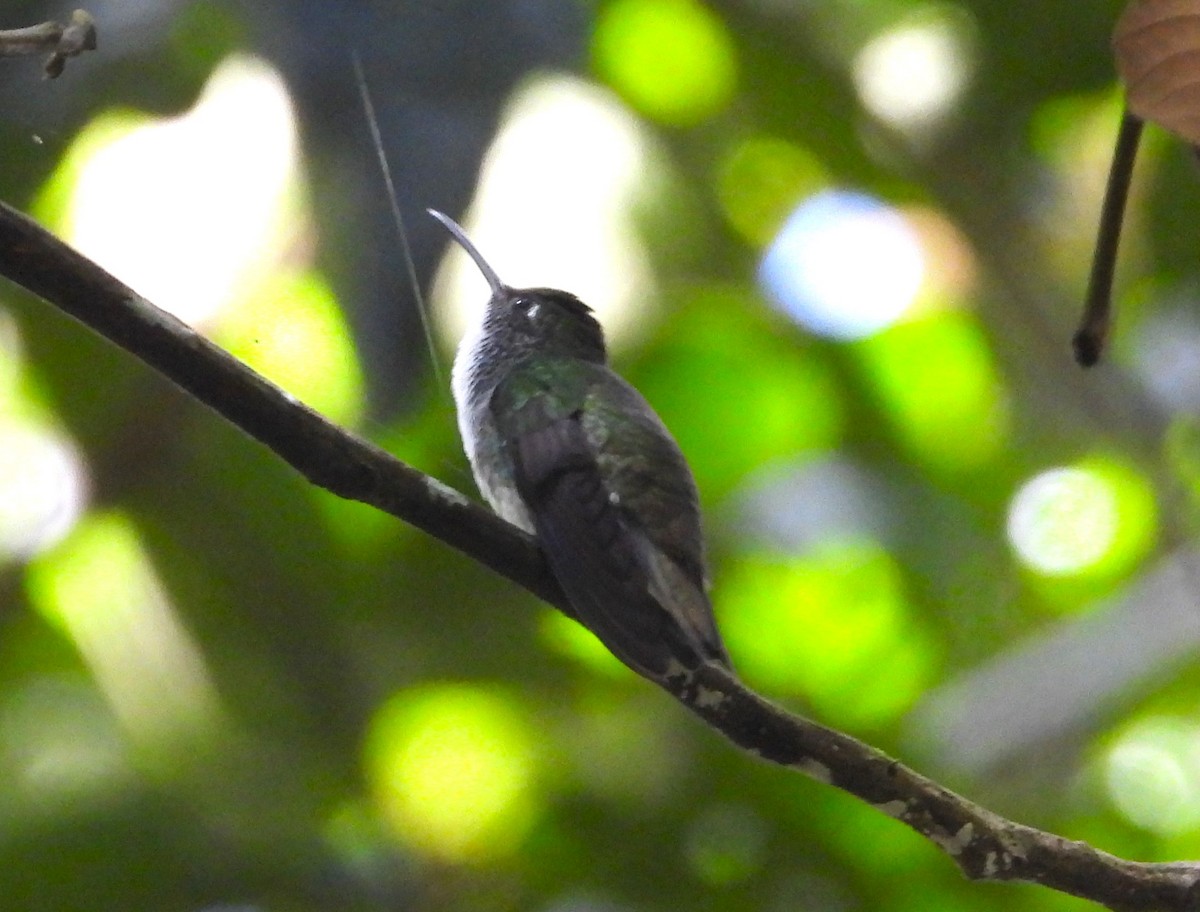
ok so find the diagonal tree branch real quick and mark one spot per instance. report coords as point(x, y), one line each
point(57, 39)
point(984, 845)
point(325, 454)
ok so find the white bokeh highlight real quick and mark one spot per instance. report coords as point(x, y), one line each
point(912, 76)
point(1063, 521)
point(43, 488)
point(1152, 773)
point(844, 265)
point(553, 207)
point(184, 210)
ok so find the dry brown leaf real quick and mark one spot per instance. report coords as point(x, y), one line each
point(1157, 49)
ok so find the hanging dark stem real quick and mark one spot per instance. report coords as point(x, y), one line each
point(1090, 339)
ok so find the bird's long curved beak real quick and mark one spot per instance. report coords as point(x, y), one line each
point(460, 236)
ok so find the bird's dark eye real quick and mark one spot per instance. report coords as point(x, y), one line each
point(529, 307)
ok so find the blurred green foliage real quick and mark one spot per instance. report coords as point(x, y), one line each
point(223, 689)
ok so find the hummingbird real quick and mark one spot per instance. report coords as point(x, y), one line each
point(566, 449)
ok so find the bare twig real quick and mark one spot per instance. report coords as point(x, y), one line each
point(58, 40)
point(1092, 335)
point(983, 844)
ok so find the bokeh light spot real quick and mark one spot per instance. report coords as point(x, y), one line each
point(672, 59)
point(187, 209)
point(762, 180)
point(1062, 520)
point(11, 358)
point(844, 265)
point(572, 640)
point(293, 333)
point(833, 626)
point(912, 75)
point(1097, 517)
point(452, 769)
point(100, 589)
point(940, 387)
point(1152, 772)
point(553, 207)
point(43, 485)
point(735, 395)
point(952, 270)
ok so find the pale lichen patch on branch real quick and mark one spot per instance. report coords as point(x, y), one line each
point(954, 844)
point(816, 770)
point(446, 493)
point(895, 808)
point(1013, 847)
point(708, 699)
point(990, 868)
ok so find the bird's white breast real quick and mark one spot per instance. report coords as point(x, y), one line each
point(490, 462)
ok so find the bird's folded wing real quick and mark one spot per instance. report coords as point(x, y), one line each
point(597, 557)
